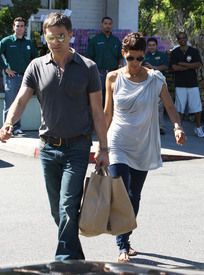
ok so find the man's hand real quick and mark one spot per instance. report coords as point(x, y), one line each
point(10, 73)
point(102, 159)
point(5, 132)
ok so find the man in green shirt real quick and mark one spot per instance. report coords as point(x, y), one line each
point(17, 52)
point(105, 50)
point(156, 60)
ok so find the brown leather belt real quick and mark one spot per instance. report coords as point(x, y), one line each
point(63, 141)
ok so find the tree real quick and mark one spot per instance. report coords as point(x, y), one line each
point(23, 8)
point(165, 18)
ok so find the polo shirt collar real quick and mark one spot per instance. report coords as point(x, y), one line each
point(153, 54)
point(105, 35)
point(16, 38)
point(76, 58)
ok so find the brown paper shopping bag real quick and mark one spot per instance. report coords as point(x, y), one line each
point(122, 217)
point(94, 215)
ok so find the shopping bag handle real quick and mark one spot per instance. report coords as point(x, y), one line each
point(103, 171)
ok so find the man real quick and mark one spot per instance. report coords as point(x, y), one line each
point(18, 51)
point(184, 62)
point(69, 91)
point(156, 60)
point(105, 50)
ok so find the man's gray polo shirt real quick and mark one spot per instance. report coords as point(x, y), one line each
point(65, 108)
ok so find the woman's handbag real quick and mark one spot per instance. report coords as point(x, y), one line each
point(106, 207)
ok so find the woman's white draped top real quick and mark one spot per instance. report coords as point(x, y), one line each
point(133, 135)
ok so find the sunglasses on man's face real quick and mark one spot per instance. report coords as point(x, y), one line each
point(59, 37)
point(138, 58)
point(183, 37)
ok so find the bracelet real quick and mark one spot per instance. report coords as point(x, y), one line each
point(178, 128)
point(105, 149)
point(8, 123)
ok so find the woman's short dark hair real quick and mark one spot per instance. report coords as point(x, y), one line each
point(134, 41)
point(57, 19)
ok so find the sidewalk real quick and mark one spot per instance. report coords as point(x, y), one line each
point(193, 148)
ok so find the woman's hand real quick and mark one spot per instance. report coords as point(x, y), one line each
point(180, 136)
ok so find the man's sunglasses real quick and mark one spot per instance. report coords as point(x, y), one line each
point(183, 37)
point(59, 37)
point(138, 58)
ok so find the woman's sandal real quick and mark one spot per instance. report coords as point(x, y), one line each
point(132, 252)
point(123, 257)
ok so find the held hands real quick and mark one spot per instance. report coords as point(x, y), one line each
point(6, 132)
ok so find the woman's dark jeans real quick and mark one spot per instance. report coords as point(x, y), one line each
point(133, 181)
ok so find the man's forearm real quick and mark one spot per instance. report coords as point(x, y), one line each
point(161, 68)
point(195, 65)
point(100, 129)
point(15, 111)
point(179, 68)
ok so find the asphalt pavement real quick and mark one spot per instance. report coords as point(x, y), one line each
point(193, 148)
point(169, 236)
point(170, 222)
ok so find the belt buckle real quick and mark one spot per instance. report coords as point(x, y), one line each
point(58, 144)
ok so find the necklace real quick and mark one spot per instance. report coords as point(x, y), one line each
point(134, 75)
point(184, 51)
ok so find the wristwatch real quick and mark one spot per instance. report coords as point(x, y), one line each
point(105, 149)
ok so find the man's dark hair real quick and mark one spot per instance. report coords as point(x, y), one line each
point(106, 17)
point(181, 33)
point(19, 19)
point(57, 19)
point(152, 39)
point(134, 41)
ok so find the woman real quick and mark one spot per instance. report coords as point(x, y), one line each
point(131, 110)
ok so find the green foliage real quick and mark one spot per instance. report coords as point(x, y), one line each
point(165, 18)
point(5, 22)
point(23, 8)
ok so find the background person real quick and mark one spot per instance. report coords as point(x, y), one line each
point(18, 51)
point(105, 50)
point(131, 112)
point(70, 105)
point(184, 61)
point(156, 60)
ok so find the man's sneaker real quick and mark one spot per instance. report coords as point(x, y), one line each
point(18, 132)
point(199, 131)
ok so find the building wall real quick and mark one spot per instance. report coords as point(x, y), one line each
point(124, 13)
point(87, 14)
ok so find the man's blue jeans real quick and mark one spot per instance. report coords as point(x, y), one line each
point(11, 88)
point(64, 170)
point(133, 181)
